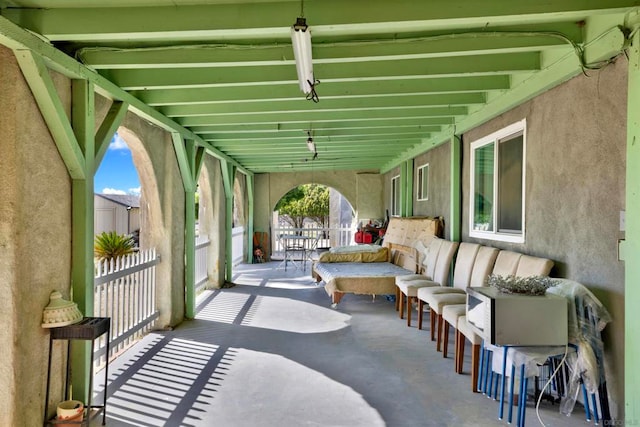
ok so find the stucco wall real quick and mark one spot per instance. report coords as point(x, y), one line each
point(575, 189)
point(212, 214)
point(439, 203)
point(35, 246)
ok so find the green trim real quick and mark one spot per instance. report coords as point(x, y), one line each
point(455, 209)
point(82, 268)
point(184, 161)
point(250, 207)
point(407, 190)
point(632, 238)
point(44, 91)
point(108, 128)
point(19, 39)
point(228, 175)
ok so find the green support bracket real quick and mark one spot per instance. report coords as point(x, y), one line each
point(228, 175)
point(455, 209)
point(632, 238)
point(186, 157)
point(108, 128)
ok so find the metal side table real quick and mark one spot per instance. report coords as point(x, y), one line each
point(88, 329)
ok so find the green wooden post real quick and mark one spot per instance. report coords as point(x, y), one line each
point(228, 175)
point(408, 188)
point(82, 269)
point(632, 238)
point(250, 197)
point(455, 211)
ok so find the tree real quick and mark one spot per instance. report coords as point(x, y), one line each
point(305, 201)
point(109, 245)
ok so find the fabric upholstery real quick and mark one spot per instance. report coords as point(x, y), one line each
point(410, 289)
point(465, 260)
point(483, 265)
point(533, 266)
point(436, 302)
point(432, 257)
point(506, 263)
point(451, 313)
point(443, 262)
point(465, 329)
point(381, 255)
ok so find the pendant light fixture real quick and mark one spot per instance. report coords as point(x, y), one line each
point(301, 42)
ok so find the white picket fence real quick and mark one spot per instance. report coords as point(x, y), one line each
point(201, 275)
point(125, 291)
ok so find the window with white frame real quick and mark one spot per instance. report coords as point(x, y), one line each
point(422, 182)
point(395, 195)
point(497, 208)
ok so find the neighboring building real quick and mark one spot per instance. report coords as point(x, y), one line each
point(116, 212)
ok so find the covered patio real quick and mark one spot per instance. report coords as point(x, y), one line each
point(425, 109)
point(270, 352)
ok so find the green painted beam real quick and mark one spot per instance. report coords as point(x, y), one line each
point(362, 114)
point(356, 141)
point(555, 72)
point(20, 40)
point(253, 21)
point(82, 267)
point(344, 104)
point(632, 238)
point(108, 128)
point(190, 232)
point(288, 92)
point(225, 55)
point(200, 155)
point(332, 135)
point(304, 125)
point(407, 188)
point(383, 70)
point(44, 91)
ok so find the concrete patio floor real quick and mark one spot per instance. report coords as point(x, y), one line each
point(271, 352)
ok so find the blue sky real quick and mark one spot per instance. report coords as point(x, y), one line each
point(117, 174)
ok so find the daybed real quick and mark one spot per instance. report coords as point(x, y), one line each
point(371, 269)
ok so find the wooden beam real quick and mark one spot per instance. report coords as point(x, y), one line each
point(108, 128)
point(44, 91)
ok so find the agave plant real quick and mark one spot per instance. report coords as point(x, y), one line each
point(110, 245)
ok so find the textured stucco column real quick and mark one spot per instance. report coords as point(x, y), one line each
point(211, 220)
point(370, 188)
point(35, 247)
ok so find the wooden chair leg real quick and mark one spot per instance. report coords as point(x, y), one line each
point(432, 318)
point(420, 309)
point(462, 344)
point(456, 362)
point(475, 357)
point(401, 306)
point(439, 337)
point(445, 339)
point(397, 297)
point(409, 300)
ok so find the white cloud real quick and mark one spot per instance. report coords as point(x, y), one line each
point(135, 191)
point(118, 143)
point(113, 191)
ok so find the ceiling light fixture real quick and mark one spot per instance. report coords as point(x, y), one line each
point(311, 145)
point(301, 41)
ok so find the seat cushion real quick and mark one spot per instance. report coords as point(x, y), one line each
point(410, 289)
point(439, 290)
point(465, 329)
point(451, 313)
point(410, 278)
point(436, 302)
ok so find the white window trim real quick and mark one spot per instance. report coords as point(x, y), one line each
point(419, 196)
point(514, 128)
point(393, 212)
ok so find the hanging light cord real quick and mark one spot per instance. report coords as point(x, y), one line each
point(313, 95)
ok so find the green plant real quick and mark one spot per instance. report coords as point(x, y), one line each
point(108, 245)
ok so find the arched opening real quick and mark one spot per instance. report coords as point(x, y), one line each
point(318, 213)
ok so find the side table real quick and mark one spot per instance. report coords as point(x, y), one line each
point(88, 329)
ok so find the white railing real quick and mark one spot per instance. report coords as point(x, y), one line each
point(125, 291)
point(237, 245)
point(201, 275)
point(329, 236)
